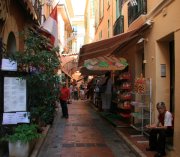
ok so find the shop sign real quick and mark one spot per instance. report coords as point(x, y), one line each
point(8, 65)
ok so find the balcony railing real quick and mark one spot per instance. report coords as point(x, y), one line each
point(134, 11)
point(119, 25)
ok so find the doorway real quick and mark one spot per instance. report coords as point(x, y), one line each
point(167, 59)
point(172, 75)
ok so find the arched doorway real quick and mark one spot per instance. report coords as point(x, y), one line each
point(11, 43)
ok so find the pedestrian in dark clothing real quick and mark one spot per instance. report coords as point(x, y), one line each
point(159, 131)
point(64, 97)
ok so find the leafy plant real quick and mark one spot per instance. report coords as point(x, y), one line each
point(23, 133)
point(39, 61)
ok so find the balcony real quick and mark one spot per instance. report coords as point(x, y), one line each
point(119, 25)
point(134, 11)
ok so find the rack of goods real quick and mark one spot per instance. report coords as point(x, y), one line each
point(124, 96)
point(141, 103)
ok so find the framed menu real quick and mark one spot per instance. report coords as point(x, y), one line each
point(16, 117)
point(8, 65)
point(14, 94)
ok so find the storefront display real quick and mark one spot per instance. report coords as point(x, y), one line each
point(124, 97)
point(123, 84)
point(142, 103)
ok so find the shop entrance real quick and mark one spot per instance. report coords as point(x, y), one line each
point(172, 74)
point(167, 58)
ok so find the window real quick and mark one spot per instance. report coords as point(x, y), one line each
point(101, 8)
point(134, 11)
point(100, 35)
point(118, 8)
point(108, 28)
point(108, 3)
point(11, 43)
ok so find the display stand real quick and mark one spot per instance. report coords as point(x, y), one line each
point(142, 106)
point(124, 98)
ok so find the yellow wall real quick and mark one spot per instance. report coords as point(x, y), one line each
point(177, 91)
point(15, 23)
point(166, 27)
point(109, 13)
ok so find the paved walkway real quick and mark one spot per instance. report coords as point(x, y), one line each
point(84, 134)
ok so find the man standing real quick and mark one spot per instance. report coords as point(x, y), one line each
point(64, 97)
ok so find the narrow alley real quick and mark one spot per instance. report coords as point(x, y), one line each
point(84, 134)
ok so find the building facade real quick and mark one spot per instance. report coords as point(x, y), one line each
point(89, 17)
point(153, 53)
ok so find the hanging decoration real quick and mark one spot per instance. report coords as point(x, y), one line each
point(140, 85)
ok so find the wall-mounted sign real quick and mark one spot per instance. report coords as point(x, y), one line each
point(9, 118)
point(163, 70)
point(15, 118)
point(8, 65)
point(14, 94)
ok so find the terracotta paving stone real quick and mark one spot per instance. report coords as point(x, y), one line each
point(86, 152)
point(83, 134)
point(81, 138)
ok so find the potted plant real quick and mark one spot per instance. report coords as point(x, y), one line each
point(22, 139)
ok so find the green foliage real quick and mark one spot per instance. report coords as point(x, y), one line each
point(23, 133)
point(40, 63)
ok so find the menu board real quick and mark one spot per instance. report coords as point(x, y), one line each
point(8, 65)
point(14, 94)
point(15, 118)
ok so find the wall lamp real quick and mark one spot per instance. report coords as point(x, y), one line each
point(142, 40)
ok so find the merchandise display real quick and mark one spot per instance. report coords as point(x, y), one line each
point(142, 104)
point(124, 96)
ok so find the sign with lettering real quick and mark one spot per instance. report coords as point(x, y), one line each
point(16, 117)
point(8, 65)
point(14, 94)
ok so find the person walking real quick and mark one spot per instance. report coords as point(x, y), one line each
point(106, 92)
point(64, 97)
point(71, 93)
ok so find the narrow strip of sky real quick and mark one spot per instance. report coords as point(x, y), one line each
point(78, 7)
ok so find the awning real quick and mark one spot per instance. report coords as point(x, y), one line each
point(106, 63)
point(65, 71)
point(67, 59)
point(108, 46)
point(86, 72)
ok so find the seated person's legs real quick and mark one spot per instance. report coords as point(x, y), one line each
point(161, 142)
point(152, 140)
